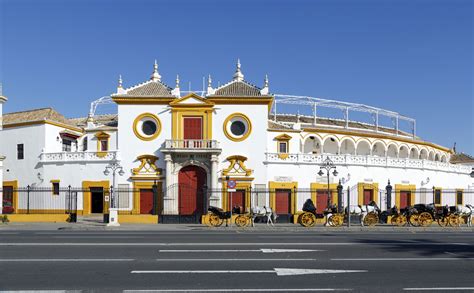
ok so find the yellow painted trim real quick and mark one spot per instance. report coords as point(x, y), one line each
point(237, 160)
point(181, 102)
point(137, 185)
point(14, 184)
point(360, 190)
point(41, 122)
point(150, 160)
point(456, 196)
point(283, 138)
point(240, 185)
point(238, 178)
point(100, 136)
point(86, 202)
point(230, 136)
point(440, 196)
point(324, 187)
point(138, 219)
point(31, 218)
point(178, 115)
point(375, 135)
point(141, 101)
point(273, 185)
point(404, 187)
point(154, 118)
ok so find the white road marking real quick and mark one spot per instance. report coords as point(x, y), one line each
point(233, 259)
point(95, 236)
point(264, 250)
point(245, 290)
point(403, 259)
point(439, 289)
point(65, 259)
point(278, 271)
point(224, 244)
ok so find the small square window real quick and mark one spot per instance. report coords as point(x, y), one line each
point(459, 197)
point(55, 188)
point(283, 147)
point(67, 145)
point(84, 144)
point(437, 197)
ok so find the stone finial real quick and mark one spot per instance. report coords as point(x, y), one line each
point(238, 75)
point(155, 76)
point(265, 90)
point(210, 90)
point(120, 82)
point(177, 81)
point(176, 91)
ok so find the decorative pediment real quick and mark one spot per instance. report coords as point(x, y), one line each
point(147, 166)
point(283, 137)
point(191, 100)
point(102, 135)
point(237, 167)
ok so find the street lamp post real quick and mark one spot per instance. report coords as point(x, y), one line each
point(328, 165)
point(114, 167)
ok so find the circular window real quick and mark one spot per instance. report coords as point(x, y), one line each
point(147, 126)
point(237, 127)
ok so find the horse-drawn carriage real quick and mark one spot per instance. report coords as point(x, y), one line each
point(309, 215)
point(424, 215)
point(217, 216)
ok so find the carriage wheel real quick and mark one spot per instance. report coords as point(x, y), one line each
point(399, 220)
point(425, 219)
point(454, 220)
point(307, 220)
point(371, 219)
point(336, 220)
point(215, 221)
point(414, 220)
point(443, 221)
point(241, 221)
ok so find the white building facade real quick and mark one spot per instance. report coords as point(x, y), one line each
point(179, 150)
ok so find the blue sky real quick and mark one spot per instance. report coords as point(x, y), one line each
point(410, 56)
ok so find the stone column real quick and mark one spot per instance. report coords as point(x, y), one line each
point(215, 196)
point(170, 197)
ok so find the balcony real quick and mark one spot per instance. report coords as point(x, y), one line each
point(367, 161)
point(191, 146)
point(61, 157)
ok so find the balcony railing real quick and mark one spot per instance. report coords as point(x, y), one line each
point(199, 145)
point(78, 156)
point(374, 161)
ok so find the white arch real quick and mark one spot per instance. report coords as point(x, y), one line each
point(347, 146)
point(403, 152)
point(392, 150)
point(431, 155)
point(443, 159)
point(330, 145)
point(379, 149)
point(363, 147)
point(423, 154)
point(414, 153)
point(436, 158)
point(312, 145)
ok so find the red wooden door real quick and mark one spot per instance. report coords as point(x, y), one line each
point(192, 127)
point(191, 181)
point(146, 201)
point(321, 201)
point(238, 199)
point(404, 199)
point(8, 204)
point(368, 196)
point(283, 201)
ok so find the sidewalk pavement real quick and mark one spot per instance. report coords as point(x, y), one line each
point(86, 226)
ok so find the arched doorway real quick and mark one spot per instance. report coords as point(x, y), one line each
point(191, 181)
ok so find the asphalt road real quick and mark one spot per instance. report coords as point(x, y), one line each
point(235, 261)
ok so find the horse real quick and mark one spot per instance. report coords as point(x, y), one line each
point(363, 210)
point(466, 211)
point(264, 211)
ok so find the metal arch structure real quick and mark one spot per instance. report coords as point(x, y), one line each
point(346, 107)
point(101, 101)
point(312, 102)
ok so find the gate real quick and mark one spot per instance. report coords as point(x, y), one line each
point(192, 204)
point(71, 204)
